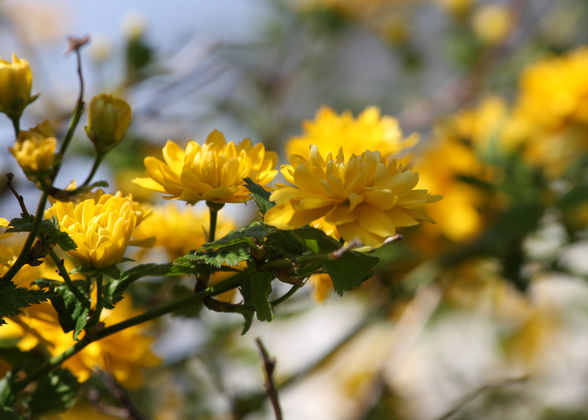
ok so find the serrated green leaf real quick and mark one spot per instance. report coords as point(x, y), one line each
point(71, 313)
point(55, 392)
point(350, 270)
point(256, 290)
point(228, 255)
point(47, 227)
point(13, 299)
point(247, 234)
point(316, 240)
point(285, 243)
point(260, 195)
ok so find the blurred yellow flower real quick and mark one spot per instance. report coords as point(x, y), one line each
point(15, 86)
point(180, 231)
point(213, 172)
point(456, 149)
point(553, 105)
point(123, 354)
point(322, 285)
point(457, 8)
point(369, 131)
point(492, 23)
point(364, 197)
point(108, 120)
point(35, 148)
point(101, 227)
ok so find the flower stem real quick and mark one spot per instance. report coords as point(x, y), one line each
point(214, 208)
point(26, 249)
point(65, 275)
point(97, 162)
point(99, 304)
point(16, 125)
point(54, 362)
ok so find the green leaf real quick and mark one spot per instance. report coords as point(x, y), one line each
point(248, 320)
point(260, 195)
point(247, 235)
point(114, 292)
point(316, 240)
point(22, 360)
point(350, 270)
point(256, 290)
point(7, 393)
point(47, 227)
point(228, 255)
point(55, 392)
point(71, 313)
point(13, 299)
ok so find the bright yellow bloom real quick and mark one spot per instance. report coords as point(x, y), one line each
point(101, 227)
point(492, 23)
point(180, 231)
point(15, 86)
point(213, 172)
point(35, 148)
point(369, 131)
point(108, 120)
point(364, 197)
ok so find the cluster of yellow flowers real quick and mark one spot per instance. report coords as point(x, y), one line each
point(344, 175)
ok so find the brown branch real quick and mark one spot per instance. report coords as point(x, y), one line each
point(269, 366)
point(19, 198)
point(121, 396)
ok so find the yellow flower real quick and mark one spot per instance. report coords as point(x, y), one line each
point(492, 23)
point(15, 86)
point(553, 105)
point(123, 354)
point(108, 120)
point(369, 131)
point(180, 231)
point(457, 8)
point(101, 227)
point(213, 172)
point(364, 197)
point(34, 149)
point(460, 215)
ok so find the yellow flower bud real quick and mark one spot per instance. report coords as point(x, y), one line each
point(492, 23)
point(108, 120)
point(15, 86)
point(35, 148)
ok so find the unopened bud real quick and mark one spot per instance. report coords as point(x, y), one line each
point(108, 120)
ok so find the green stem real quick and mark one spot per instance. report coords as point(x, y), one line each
point(214, 208)
point(78, 110)
point(97, 162)
point(283, 298)
point(65, 275)
point(26, 249)
point(99, 302)
point(54, 362)
point(16, 125)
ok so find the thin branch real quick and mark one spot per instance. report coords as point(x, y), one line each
point(54, 362)
point(121, 396)
point(19, 198)
point(269, 365)
point(478, 391)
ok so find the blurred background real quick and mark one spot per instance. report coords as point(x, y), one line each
point(481, 315)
